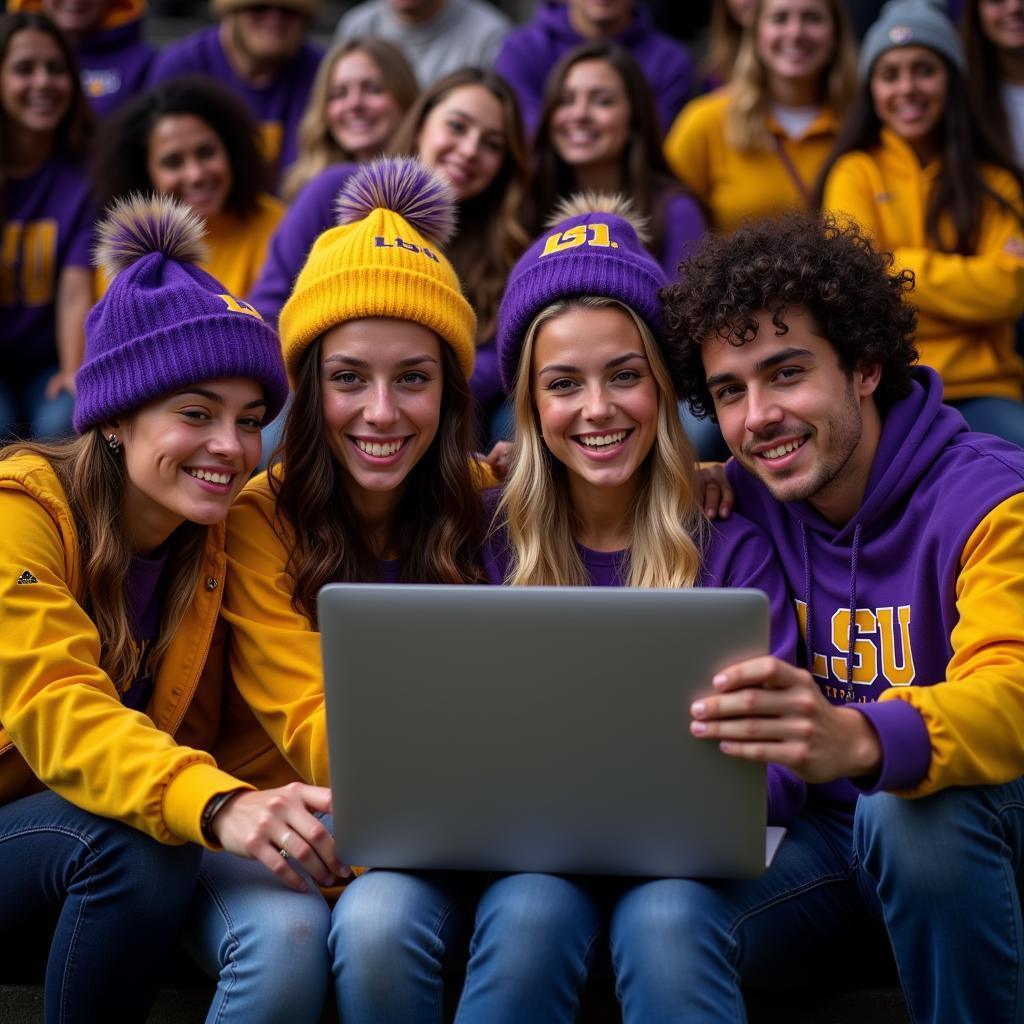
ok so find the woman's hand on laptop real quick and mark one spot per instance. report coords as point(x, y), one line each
point(278, 827)
point(765, 709)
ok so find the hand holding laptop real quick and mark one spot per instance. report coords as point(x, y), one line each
point(768, 710)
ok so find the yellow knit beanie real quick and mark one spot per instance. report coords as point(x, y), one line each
point(383, 260)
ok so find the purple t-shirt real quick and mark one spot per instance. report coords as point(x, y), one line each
point(145, 607)
point(49, 226)
point(737, 554)
point(115, 64)
point(277, 107)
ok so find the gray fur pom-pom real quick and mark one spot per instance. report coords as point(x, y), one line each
point(138, 225)
point(579, 204)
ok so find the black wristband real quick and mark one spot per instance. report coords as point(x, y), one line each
point(213, 806)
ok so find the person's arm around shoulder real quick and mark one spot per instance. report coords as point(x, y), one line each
point(275, 653)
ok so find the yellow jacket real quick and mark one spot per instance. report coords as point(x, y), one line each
point(966, 304)
point(62, 723)
point(275, 658)
point(736, 185)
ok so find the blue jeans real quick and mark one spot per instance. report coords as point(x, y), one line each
point(265, 944)
point(939, 877)
point(111, 897)
point(395, 934)
point(1003, 417)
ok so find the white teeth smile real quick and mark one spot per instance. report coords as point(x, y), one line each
point(603, 440)
point(213, 478)
point(379, 450)
point(782, 449)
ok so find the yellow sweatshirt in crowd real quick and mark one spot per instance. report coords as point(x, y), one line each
point(735, 185)
point(966, 304)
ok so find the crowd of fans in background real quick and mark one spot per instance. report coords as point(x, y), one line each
point(256, 128)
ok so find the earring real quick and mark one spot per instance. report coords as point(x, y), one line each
point(114, 443)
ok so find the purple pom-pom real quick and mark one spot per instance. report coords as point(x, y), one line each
point(138, 225)
point(405, 186)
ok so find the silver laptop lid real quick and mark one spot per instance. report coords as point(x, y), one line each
point(538, 729)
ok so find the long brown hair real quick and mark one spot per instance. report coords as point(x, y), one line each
point(644, 174)
point(960, 191)
point(437, 526)
point(93, 478)
point(984, 77)
point(318, 148)
point(73, 136)
point(491, 236)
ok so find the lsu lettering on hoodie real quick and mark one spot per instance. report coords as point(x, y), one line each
point(913, 612)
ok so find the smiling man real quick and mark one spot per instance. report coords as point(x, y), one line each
point(258, 49)
point(902, 536)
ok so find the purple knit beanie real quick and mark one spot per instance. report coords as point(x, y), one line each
point(164, 323)
point(591, 248)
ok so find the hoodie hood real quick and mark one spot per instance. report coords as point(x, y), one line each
point(553, 18)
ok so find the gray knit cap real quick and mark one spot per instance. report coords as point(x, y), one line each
point(911, 23)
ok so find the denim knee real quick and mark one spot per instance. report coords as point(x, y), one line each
point(930, 845)
point(529, 922)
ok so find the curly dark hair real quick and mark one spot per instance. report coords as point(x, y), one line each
point(122, 149)
point(826, 267)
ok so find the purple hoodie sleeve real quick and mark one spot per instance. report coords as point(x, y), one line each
point(485, 384)
point(311, 214)
point(906, 746)
point(684, 224)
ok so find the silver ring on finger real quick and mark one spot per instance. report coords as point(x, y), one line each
point(283, 849)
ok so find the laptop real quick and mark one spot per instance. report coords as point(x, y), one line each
point(538, 729)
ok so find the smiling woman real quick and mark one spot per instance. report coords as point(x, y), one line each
point(192, 139)
point(112, 558)
point(46, 226)
point(920, 170)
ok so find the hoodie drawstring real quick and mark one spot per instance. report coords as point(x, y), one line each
point(851, 636)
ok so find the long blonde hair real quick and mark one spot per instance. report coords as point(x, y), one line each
point(668, 524)
point(318, 148)
point(93, 478)
point(746, 120)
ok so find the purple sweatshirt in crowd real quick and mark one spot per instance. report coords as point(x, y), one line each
point(48, 226)
point(277, 106)
point(684, 223)
point(737, 554)
point(115, 65)
point(307, 218)
point(898, 563)
point(529, 53)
